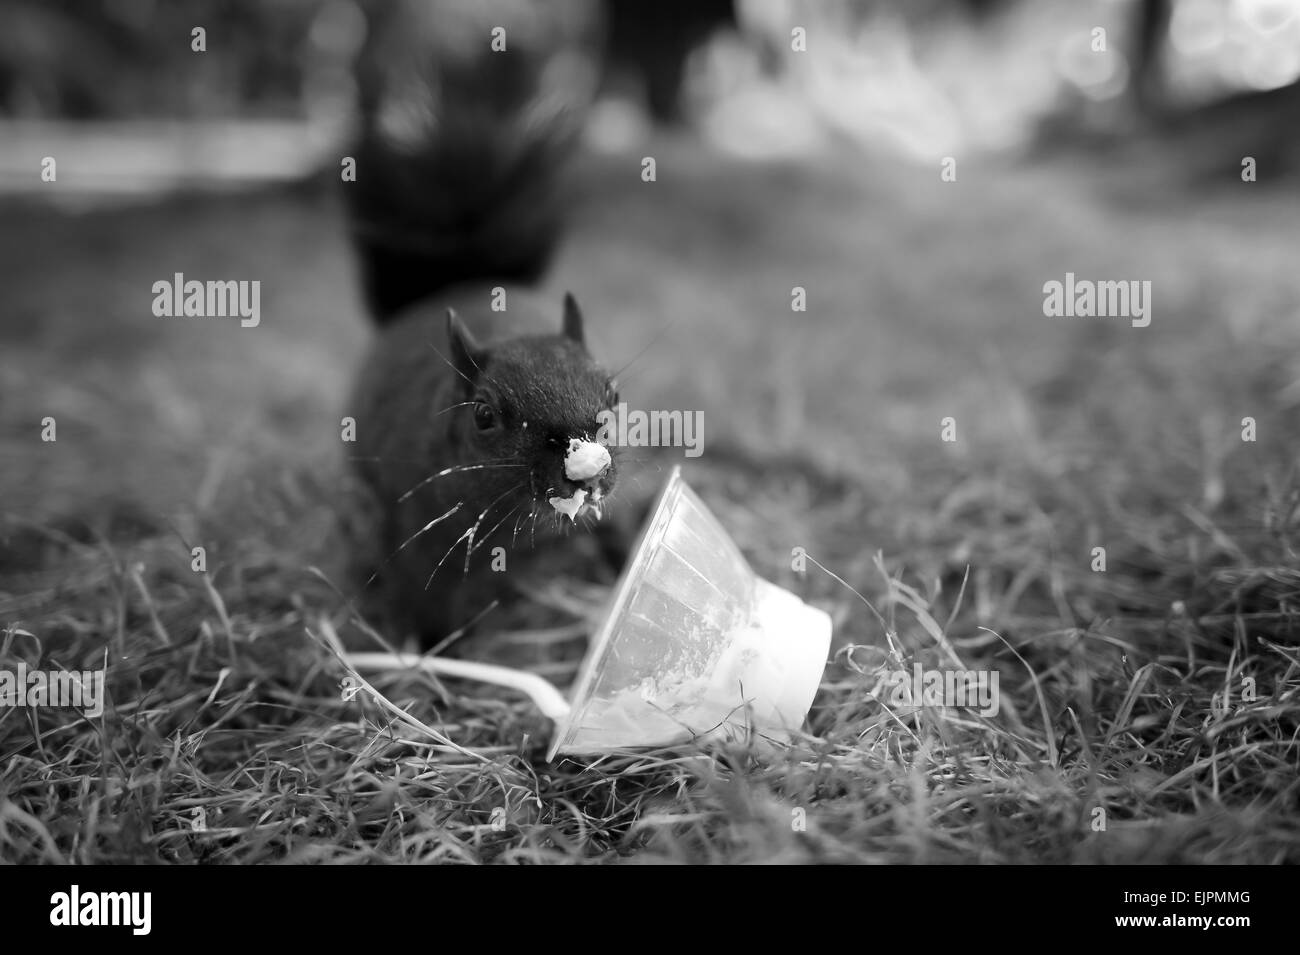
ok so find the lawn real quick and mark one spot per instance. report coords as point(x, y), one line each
point(1149, 710)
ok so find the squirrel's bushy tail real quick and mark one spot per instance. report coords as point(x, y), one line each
point(462, 149)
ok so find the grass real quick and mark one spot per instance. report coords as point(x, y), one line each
point(1163, 691)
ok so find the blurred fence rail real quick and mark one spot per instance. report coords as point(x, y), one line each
point(143, 157)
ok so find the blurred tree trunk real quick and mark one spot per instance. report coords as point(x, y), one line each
point(654, 40)
point(1147, 79)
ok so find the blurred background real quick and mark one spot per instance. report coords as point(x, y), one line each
point(797, 143)
point(920, 169)
point(277, 81)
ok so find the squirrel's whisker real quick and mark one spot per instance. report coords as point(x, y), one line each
point(473, 531)
point(438, 566)
point(481, 466)
point(488, 536)
point(523, 515)
point(648, 345)
point(460, 631)
point(402, 546)
point(468, 535)
point(459, 404)
point(449, 364)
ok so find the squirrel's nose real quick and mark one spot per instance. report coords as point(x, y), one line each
point(585, 461)
point(584, 464)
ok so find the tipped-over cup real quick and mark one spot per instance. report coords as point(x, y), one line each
point(695, 644)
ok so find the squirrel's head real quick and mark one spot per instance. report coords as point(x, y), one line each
point(534, 403)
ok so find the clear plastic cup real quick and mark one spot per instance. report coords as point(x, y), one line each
point(695, 644)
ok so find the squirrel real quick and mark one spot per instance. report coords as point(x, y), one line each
point(475, 427)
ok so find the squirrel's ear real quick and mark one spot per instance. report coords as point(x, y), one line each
point(573, 320)
point(465, 353)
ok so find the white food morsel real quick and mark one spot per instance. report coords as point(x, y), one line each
point(569, 506)
point(585, 460)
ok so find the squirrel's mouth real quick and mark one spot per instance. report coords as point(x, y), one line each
point(588, 478)
point(583, 502)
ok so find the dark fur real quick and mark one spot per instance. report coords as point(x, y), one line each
point(461, 158)
point(415, 411)
point(460, 189)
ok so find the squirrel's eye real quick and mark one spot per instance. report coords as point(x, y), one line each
point(485, 419)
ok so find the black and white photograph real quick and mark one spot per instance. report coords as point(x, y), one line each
point(729, 432)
